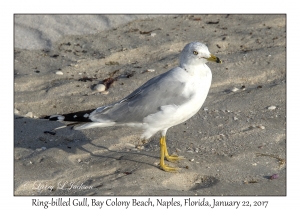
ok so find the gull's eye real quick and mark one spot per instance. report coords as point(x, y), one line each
point(195, 52)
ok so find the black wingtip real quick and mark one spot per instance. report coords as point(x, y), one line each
point(81, 116)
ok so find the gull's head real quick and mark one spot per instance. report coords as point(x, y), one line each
point(196, 53)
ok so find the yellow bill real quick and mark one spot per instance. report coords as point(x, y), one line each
point(213, 58)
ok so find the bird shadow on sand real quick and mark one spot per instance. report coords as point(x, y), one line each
point(69, 150)
point(30, 133)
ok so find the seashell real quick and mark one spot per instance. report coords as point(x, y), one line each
point(271, 107)
point(59, 73)
point(261, 127)
point(100, 88)
point(234, 89)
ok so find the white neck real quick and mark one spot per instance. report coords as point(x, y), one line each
point(201, 69)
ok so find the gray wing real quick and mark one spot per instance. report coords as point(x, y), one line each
point(162, 90)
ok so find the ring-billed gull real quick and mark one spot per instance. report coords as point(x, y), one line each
point(162, 102)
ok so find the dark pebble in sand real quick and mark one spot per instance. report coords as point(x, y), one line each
point(274, 176)
point(50, 132)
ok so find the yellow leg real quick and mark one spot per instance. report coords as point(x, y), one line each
point(163, 150)
point(171, 158)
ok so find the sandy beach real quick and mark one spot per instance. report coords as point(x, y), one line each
point(235, 145)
